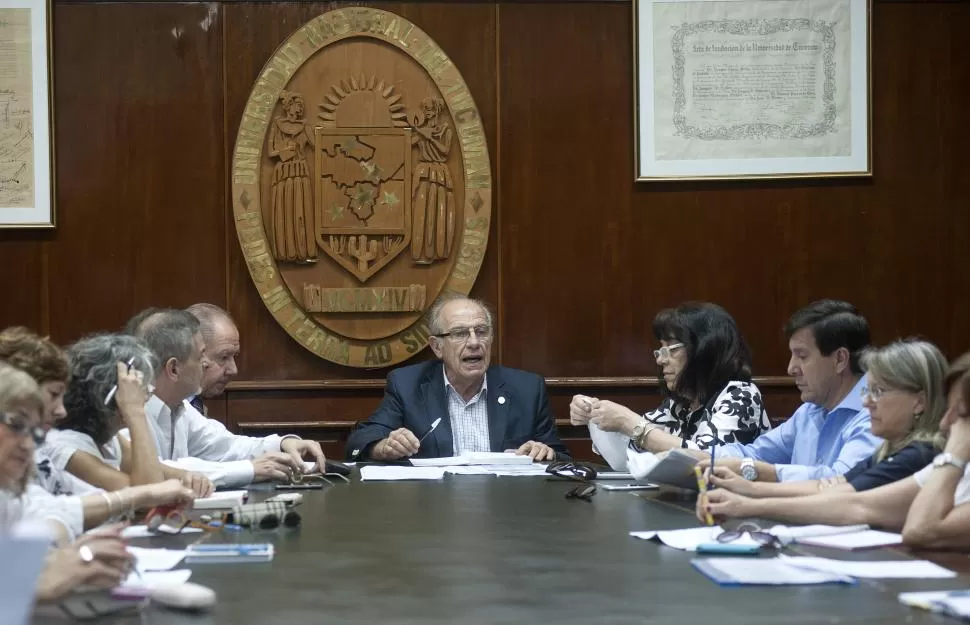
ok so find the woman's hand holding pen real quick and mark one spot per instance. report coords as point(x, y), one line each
point(132, 392)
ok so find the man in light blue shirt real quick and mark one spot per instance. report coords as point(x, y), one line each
point(829, 433)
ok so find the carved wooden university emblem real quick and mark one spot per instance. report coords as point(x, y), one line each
point(361, 185)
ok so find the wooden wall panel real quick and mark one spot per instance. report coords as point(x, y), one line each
point(581, 237)
point(140, 162)
point(253, 32)
point(148, 102)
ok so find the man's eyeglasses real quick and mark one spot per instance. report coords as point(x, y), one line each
point(20, 425)
point(758, 535)
point(575, 471)
point(665, 351)
point(460, 335)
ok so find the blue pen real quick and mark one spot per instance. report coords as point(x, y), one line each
point(710, 479)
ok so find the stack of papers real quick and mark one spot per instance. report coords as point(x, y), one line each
point(473, 458)
point(672, 468)
point(955, 603)
point(395, 472)
point(154, 579)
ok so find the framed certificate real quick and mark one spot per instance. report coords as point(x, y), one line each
point(751, 89)
point(26, 115)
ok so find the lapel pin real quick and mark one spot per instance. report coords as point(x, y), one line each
point(501, 399)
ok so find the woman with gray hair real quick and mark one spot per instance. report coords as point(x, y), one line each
point(107, 393)
point(905, 399)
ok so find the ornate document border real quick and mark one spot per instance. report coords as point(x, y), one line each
point(729, 89)
point(26, 115)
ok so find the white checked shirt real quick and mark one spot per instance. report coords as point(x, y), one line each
point(469, 420)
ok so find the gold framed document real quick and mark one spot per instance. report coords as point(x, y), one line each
point(730, 89)
point(26, 119)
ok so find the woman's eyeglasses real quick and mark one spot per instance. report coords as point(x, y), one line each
point(758, 535)
point(666, 351)
point(20, 425)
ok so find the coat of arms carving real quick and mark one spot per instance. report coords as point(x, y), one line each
point(361, 185)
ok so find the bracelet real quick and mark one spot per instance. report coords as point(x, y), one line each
point(642, 441)
point(107, 500)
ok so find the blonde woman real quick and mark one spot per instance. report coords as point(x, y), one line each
point(904, 396)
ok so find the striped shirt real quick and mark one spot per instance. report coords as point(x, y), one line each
point(469, 420)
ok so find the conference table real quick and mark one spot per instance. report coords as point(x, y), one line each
point(501, 550)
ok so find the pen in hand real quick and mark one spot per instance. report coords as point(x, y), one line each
point(114, 389)
point(702, 489)
point(434, 424)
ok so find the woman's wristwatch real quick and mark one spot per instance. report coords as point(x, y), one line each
point(640, 431)
point(945, 459)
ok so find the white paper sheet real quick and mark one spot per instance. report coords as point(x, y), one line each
point(156, 559)
point(865, 539)
point(891, 569)
point(688, 539)
point(141, 531)
point(221, 499)
point(394, 472)
point(611, 445)
point(629, 486)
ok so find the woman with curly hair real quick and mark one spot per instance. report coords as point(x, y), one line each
point(107, 393)
point(705, 374)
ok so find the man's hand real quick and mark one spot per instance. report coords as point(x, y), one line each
point(612, 417)
point(732, 464)
point(724, 477)
point(723, 504)
point(539, 452)
point(275, 466)
point(401, 443)
point(581, 408)
point(199, 484)
point(298, 449)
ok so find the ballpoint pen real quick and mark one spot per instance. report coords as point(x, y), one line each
point(434, 424)
point(114, 389)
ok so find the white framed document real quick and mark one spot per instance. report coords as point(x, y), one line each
point(729, 89)
point(26, 115)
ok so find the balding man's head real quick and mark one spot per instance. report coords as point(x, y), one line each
point(221, 345)
point(174, 336)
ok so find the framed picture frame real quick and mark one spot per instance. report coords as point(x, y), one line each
point(26, 115)
point(751, 89)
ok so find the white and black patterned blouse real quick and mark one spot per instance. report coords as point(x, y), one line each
point(737, 415)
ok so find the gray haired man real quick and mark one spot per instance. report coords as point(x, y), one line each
point(188, 439)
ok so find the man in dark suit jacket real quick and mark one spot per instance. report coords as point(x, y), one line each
point(481, 408)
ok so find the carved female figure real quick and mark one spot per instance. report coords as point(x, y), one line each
point(433, 229)
point(293, 236)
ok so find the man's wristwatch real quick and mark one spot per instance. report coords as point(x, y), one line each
point(947, 458)
point(748, 470)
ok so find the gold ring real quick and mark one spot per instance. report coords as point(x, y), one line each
point(85, 553)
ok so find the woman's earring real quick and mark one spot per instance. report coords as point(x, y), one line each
point(917, 415)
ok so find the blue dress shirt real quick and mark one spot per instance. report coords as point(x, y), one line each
point(815, 443)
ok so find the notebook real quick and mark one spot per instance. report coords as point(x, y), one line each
point(764, 572)
point(673, 468)
point(865, 539)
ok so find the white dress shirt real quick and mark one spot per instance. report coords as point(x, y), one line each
point(190, 441)
point(469, 420)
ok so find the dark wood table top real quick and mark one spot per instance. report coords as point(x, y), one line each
point(513, 550)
